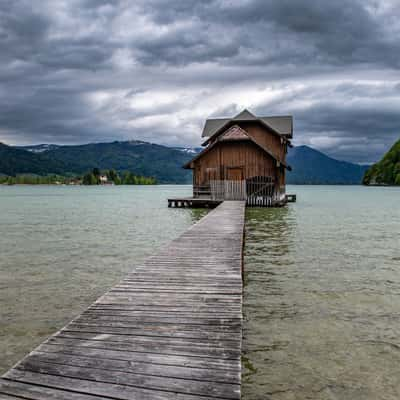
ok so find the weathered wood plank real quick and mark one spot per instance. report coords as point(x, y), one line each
point(108, 390)
point(153, 332)
point(171, 329)
point(19, 390)
point(151, 348)
point(162, 359)
point(140, 367)
point(137, 380)
point(143, 319)
point(172, 340)
point(165, 327)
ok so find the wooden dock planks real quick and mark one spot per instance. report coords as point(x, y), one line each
point(170, 330)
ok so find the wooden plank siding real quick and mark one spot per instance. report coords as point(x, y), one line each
point(241, 154)
point(170, 330)
point(268, 140)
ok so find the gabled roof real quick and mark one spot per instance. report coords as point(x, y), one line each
point(213, 125)
point(235, 133)
point(245, 115)
point(283, 125)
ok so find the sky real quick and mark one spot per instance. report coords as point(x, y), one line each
point(78, 71)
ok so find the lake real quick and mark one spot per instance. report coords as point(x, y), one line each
point(322, 279)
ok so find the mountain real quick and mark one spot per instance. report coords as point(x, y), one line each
point(18, 161)
point(39, 148)
point(141, 158)
point(189, 150)
point(312, 167)
point(386, 171)
point(164, 163)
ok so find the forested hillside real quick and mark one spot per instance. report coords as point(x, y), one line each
point(18, 161)
point(386, 171)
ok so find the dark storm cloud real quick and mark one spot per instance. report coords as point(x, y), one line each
point(355, 134)
point(336, 32)
point(74, 71)
point(21, 31)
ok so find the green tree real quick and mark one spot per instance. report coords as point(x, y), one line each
point(128, 178)
point(387, 170)
point(112, 175)
point(96, 172)
point(89, 179)
point(117, 180)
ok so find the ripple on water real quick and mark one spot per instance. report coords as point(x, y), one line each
point(322, 296)
point(62, 247)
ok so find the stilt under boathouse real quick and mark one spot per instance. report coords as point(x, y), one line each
point(244, 158)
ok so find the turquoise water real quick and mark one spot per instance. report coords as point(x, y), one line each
point(322, 296)
point(322, 284)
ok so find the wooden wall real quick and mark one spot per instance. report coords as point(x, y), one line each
point(227, 157)
point(266, 138)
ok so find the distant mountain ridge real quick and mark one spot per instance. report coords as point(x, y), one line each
point(39, 148)
point(15, 160)
point(142, 158)
point(164, 163)
point(189, 150)
point(310, 166)
point(387, 170)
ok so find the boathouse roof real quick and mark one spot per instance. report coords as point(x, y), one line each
point(234, 133)
point(283, 125)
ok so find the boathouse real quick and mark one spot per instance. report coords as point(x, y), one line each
point(244, 159)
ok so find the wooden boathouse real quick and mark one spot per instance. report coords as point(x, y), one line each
point(244, 159)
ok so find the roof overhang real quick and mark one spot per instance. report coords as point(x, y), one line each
point(235, 133)
point(282, 124)
point(235, 121)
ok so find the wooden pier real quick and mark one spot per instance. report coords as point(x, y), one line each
point(170, 330)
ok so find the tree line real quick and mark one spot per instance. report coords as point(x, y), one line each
point(128, 178)
point(94, 177)
point(36, 180)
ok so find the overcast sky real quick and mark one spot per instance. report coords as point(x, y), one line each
point(77, 71)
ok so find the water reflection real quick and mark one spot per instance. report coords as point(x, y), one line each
point(269, 237)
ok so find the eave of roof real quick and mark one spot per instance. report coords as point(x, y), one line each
point(282, 124)
point(220, 130)
point(212, 125)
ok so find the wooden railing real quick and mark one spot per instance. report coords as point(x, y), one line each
point(259, 191)
point(201, 191)
point(228, 190)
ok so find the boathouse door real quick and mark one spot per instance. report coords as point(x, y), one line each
point(234, 174)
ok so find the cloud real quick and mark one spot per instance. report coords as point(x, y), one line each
point(74, 71)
